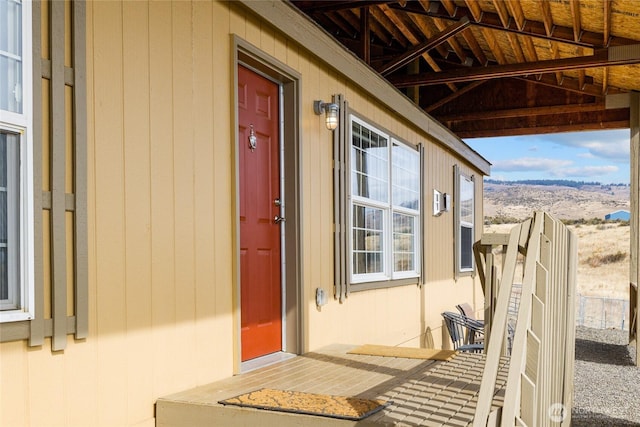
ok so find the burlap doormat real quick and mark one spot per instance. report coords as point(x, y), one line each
point(406, 352)
point(348, 408)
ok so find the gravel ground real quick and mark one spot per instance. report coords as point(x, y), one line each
point(607, 382)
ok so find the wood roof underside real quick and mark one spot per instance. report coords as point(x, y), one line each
point(498, 67)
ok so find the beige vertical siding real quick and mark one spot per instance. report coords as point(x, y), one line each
point(161, 231)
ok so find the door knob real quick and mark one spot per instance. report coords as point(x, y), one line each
point(278, 219)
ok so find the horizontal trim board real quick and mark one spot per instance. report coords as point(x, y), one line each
point(69, 201)
point(69, 73)
point(16, 331)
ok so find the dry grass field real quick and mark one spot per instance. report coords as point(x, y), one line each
point(603, 249)
point(603, 258)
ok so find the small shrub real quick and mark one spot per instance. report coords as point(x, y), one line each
point(501, 219)
point(598, 260)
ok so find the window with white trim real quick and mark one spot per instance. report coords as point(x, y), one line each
point(384, 206)
point(16, 198)
point(466, 217)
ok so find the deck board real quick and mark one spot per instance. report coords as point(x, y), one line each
point(422, 392)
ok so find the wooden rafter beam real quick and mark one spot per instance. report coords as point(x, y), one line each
point(441, 25)
point(333, 5)
point(606, 32)
point(449, 5)
point(547, 19)
point(408, 34)
point(342, 22)
point(473, 8)
point(503, 13)
point(522, 112)
point(517, 13)
point(389, 26)
point(453, 96)
point(423, 24)
point(365, 35)
point(468, 36)
point(418, 50)
point(555, 54)
point(577, 22)
point(494, 46)
point(614, 56)
point(580, 127)
point(568, 84)
point(543, 30)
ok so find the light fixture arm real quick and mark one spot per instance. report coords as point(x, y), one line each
point(331, 113)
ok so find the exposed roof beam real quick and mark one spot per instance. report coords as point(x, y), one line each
point(331, 5)
point(448, 4)
point(531, 28)
point(342, 22)
point(453, 96)
point(522, 112)
point(619, 55)
point(607, 22)
point(441, 25)
point(580, 127)
point(577, 22)
point(518, 14)
point(365, 35)
point(406, 32)
point(547, 19)
point(418, 50)
point(503, 13)
point(423, 24)
point(568, 84)
point(389, 26)
point(555, 54)
point(473, 7)
point(494, 46)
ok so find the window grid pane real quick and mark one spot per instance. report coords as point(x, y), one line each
point(9, 221)
point(466, 248)
point(4, 279)
point(404, 235)
point(11, 85)
point(466, 200)
point(369, 160)
point(406, 178)
point(368, 240)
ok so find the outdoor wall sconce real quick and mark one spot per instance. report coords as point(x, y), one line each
point(331, 113)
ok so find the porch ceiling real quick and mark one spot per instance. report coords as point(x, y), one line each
point(496, 67)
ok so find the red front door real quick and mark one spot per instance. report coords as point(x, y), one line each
point(259, 151)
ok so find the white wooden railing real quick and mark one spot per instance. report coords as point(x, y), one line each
point(539, 388)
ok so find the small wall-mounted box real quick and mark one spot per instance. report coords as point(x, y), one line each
point(437, 198)
point(441, 203)
point(447, 202)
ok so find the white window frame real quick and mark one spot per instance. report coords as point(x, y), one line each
point(21, 124)
point(462, 180)
point(388, 209)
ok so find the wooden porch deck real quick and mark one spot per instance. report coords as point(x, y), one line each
point(422, 392)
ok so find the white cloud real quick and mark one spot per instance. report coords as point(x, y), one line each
point(591, 171)
point(525, 164)
point(533, 148)
point(612, 145)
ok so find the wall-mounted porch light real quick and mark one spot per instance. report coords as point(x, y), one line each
point(331, 113)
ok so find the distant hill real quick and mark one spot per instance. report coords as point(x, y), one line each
point(564, 199)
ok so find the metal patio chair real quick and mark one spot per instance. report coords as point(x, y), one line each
point(467, 312)
point(463, 333)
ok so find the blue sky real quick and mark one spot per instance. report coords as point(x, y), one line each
point(601, 156)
